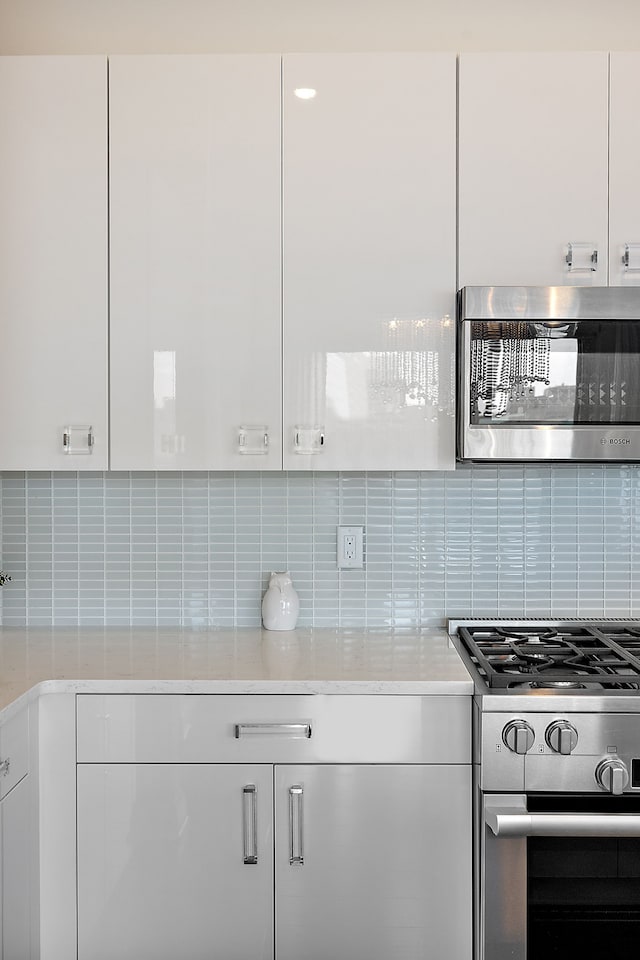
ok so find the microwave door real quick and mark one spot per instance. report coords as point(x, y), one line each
point(607, 373)
point(550, 390)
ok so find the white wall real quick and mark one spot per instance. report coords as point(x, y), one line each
point(156, 26)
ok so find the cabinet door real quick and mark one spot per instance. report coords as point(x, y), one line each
point(532, 168)
point(161, 862)
point(195, 262)
point(16, 830)
point(624, 195)
point(369, 261)
point(386, 862)
point(53, 262)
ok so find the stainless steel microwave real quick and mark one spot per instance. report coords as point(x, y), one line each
point(549, 373)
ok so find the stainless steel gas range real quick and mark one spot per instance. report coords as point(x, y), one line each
point(557, 786)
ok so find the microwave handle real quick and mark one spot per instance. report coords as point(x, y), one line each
point(503, 822)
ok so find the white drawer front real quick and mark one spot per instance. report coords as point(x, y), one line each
point(191, 728)
point(14, 751)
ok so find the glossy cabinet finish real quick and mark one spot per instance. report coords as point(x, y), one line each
point(353, 857)
point(16, 829)
point(624, 196)
point(533, 144)
point(196, 728)
point(387, 869)
point(17, 822)
point(14, 751)
point(161, 871)
point(369, 261)
point(195, 262)
point(53, 261)
point(377, 853)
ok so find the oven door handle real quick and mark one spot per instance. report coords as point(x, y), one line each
point(505, 823)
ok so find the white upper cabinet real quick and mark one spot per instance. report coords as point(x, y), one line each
point(624, 195)
point(53, 263)
point(195, 262)
point(369, 261)
point(533, 168)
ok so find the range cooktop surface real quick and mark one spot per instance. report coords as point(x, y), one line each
point(566, 656)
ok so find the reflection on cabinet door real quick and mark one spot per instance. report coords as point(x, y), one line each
point(533, 168)
point(195, 262)
point(369, 261)
point(53, 263)
point(172, 863)
point(16, 830)
point(624, 196)
point(373, 861)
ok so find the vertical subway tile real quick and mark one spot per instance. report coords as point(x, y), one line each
point(537, 534)
point(432, 546)
point(197, 548)
point(458, 535)
point(564, 540)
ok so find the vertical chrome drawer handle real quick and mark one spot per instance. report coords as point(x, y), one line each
point(250, 823)
point(296, 825)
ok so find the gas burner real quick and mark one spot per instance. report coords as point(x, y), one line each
point(557, 685)
point(569, 668)
point(542, 635)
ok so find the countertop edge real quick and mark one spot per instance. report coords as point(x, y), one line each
point(239, 687)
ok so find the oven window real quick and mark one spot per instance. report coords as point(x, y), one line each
point(583, 893)
point(584, 898)
point(554, 372)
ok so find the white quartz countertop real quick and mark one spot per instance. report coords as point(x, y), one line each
point(181, 660)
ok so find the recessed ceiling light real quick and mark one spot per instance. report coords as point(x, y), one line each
point(305, 93)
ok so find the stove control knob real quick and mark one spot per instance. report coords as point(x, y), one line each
point(612, 775)
point(518, 735)
point(562, 736)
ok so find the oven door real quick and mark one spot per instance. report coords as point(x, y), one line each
point(559, 876)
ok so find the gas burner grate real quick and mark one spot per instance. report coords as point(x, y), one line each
point(580, 655)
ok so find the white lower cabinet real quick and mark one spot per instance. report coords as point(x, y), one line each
point(161, 871)
point(286, 859)
point(15, 828)
point(386, 862)
point(366, 859)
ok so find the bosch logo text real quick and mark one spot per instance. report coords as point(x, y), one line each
point(616, 440)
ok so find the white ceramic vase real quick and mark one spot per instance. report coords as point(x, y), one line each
point(280, 604)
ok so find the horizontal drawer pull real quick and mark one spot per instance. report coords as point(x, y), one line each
point(298, 731)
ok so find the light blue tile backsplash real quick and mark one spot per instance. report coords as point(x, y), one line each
point(196, 549)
